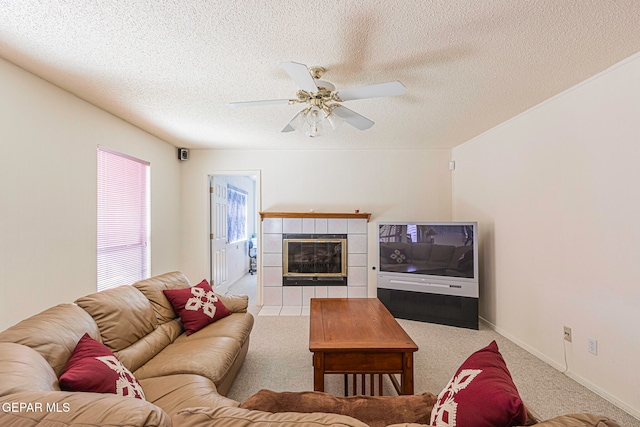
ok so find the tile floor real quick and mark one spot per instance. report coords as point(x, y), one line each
point(247, 286)
point(273, 310)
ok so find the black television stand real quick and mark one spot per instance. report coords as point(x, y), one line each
point(449, 310)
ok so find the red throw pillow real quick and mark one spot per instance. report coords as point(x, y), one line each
point(480, 394)
point(94, 368)
point(197, 306)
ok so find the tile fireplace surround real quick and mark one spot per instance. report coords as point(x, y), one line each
point(275, 224)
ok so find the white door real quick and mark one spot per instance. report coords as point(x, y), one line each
point(219, 241)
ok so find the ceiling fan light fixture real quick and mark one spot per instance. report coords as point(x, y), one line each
point(314, 131)
point(325, 112)
point(317, 120)
point(314, 121)
point(314, 116)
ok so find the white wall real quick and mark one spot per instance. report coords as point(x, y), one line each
point(407, 185)
point(48, 141)
point(556, 193)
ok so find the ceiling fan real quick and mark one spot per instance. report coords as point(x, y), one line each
point(324, 101)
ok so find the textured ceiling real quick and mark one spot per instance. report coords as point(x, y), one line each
point(170, 66)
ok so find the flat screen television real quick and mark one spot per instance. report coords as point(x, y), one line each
point(437, 257)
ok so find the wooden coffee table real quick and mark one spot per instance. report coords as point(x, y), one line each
point(359, 336)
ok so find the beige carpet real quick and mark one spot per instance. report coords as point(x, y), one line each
point(279, 360)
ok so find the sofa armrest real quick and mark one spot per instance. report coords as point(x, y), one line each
point(235, 303)
point(69, 409)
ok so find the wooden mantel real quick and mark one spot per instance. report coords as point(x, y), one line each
point(264, 215)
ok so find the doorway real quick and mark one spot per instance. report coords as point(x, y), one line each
point(234, 207)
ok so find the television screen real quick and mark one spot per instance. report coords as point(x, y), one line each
point(438, 249)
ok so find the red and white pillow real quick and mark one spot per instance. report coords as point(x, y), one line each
point(94, 368)
point(197, 306)
point(480, 394)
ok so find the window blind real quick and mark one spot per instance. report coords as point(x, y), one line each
point(123, 219)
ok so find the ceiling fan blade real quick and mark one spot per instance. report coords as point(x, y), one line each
point(371, 91)
point(353, 118)
point(258, 103)
point(300, 74)
point(292, 125)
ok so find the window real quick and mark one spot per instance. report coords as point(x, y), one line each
point(236, 214)
point(123, 219)
point(412, 232)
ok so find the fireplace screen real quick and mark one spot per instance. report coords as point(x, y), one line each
point(314, 259)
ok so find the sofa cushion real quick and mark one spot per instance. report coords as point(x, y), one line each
point(197, 306)
point(173, 393)
point(53, 333)
point(140, 352)
point(421, 251)
point(481, 393)
point(237, 326)
point(94, 368)
point(239, 417)
point(211, 358)
point(123, 314)
point(152, 289)
point(376, 411)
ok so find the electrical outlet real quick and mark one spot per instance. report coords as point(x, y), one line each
point(593, 346)
point(567, 333)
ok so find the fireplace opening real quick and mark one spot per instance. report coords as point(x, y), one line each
point(314, 259)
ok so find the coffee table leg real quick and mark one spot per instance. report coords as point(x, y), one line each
point(407, 373)
point(318, 371)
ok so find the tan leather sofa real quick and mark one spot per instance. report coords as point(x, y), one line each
point(140, 326)
point(184, 378)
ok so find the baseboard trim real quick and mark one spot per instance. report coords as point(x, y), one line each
point(606, 396)
point(577, 378)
